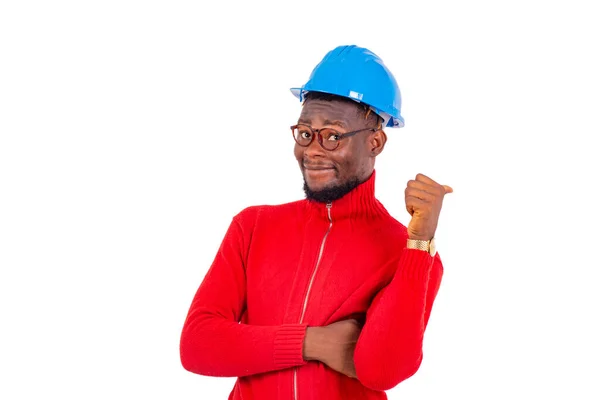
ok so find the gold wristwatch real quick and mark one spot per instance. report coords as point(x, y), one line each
point(425, 245)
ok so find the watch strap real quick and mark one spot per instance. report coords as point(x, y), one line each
point(424, 245)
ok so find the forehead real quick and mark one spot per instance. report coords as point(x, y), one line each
point(321, 112)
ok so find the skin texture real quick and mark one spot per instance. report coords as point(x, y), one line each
point(424, 198)
point(352, 161)
point(344, 168)
point(333, 345)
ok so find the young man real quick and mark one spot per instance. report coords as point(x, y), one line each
point(326, 297)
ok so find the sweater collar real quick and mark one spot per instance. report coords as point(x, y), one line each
point(359, 202)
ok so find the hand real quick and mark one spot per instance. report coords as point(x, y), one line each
point(424, 199)
point(334, 345)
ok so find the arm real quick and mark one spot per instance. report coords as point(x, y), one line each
point(213, 342)
point(389, 349)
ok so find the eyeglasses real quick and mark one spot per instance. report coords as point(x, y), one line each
point(328, 138)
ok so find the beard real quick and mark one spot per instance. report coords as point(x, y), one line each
point(329, 194)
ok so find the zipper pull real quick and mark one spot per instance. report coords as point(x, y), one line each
point(329, 213)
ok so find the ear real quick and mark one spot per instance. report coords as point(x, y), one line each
point(377, 142)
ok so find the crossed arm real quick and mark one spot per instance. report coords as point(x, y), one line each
point(386, 351)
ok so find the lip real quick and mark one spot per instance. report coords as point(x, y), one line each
point(316, 168)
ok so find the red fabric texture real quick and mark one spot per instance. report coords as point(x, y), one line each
point(245, 319)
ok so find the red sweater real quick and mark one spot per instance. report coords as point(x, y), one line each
point(282, 268)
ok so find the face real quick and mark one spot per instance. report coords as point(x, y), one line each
point(354, 159)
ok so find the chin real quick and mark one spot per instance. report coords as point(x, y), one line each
point(325, 191)
point(320, 179)
point(318, 185)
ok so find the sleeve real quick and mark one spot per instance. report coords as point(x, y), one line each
point(390, 346)
point(213, 341)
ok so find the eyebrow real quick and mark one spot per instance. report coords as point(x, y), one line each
point(326, 122)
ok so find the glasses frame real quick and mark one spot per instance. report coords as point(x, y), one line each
point(317, 133)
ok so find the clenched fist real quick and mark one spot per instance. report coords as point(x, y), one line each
point(424, 198)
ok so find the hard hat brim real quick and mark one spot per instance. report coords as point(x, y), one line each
point(393, 122)
point(297, 92)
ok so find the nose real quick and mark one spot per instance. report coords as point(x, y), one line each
point(314, 149)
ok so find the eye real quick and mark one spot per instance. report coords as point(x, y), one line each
point(304, 135)
point(332, 137)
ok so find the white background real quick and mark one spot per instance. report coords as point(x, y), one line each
point(131, 133)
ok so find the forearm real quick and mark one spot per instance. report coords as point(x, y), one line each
point(214, 346)
point(213, 342)
point(389, 349)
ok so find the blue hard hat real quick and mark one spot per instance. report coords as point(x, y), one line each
point(358, 74)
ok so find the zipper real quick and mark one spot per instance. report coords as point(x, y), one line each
point(310, 283)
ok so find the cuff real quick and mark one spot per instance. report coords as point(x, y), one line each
point(415, 264)
point(289, 340)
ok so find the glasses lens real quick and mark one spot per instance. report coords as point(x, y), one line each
point(302, 135)
point(331, 139)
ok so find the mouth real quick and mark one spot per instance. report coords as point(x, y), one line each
point(318, 173)
point(317, 167)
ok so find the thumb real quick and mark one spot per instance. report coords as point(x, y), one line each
point(448, 189)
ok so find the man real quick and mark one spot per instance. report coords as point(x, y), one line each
point(327, 297)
